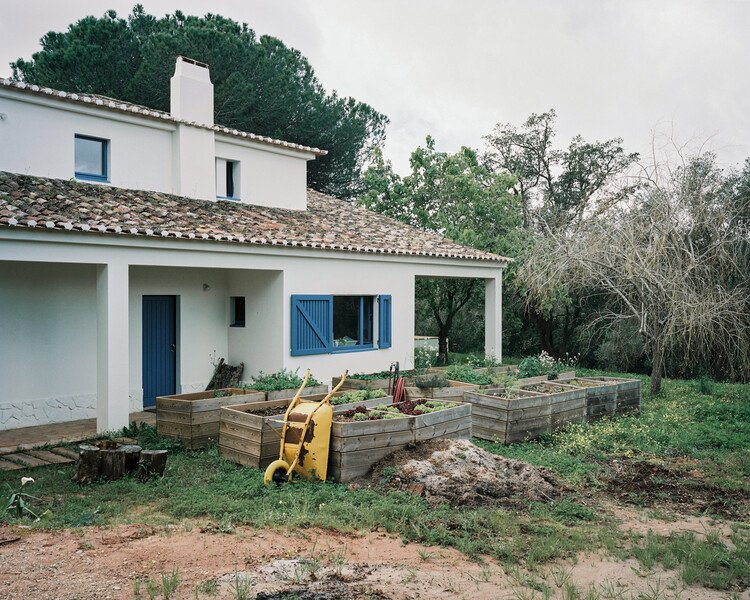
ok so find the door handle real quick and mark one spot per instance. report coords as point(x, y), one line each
point(172, 348)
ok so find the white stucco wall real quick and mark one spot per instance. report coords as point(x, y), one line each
point(267, 178)
point(38, 139)
point(47, 343)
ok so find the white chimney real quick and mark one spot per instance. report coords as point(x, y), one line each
point(192, 100)
point(192, 93)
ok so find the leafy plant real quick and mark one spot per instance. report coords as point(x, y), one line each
point(18, 503)
point(467, 374)
point(379, 375)
point(424, 358)
point(544, 364)
point(241, 586)
point(169, 583)
point(431, 380)
point(282, 380)
point(357, 396)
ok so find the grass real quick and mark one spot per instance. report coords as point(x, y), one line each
point(704, 426)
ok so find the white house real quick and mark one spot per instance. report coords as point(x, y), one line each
point(137, 244)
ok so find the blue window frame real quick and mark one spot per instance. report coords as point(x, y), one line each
point(329, 324)
point(91, 158)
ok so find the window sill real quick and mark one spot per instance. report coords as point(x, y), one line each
point(345, 349)
point(89, 178)
point(237, 325)
point(229, 198)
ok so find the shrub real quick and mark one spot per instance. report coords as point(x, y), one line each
point(424, 358)
point(283, 380)
point(466, 374)
point(544, 364)
point(431, 380)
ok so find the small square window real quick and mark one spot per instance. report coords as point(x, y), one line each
point(237, 310)
point(91, 161)
point(227, 179)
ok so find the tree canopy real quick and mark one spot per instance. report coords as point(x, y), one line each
point(260, 84)
point(453, 195)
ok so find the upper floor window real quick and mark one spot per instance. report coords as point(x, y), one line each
point(91, 158)
point(227, 179)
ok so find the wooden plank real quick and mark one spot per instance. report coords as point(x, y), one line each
point(25, 459)
point(455, 412)
point(50, 457)
point(488, 434)
point(65, 452)
point(350, 444)
point(290, 393)
point(441, 429)
point(358, 428)
point(6, 465)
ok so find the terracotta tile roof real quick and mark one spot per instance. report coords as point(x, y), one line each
point(111, 104)
point(328, 223)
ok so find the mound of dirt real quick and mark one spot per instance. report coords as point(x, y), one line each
point(462, 474)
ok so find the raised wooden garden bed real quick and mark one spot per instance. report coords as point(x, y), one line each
point(194, 418)
point(357, 445)
point(608, 396)
point(454, 392)
point(567, 403)
point(250, 439)
point(290, 393)
point(519, 414)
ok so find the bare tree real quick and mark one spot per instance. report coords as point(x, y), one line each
point(674, 257)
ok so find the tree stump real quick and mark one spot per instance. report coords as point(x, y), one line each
point(112, 464)
point(132, 457)
point(88, 464)
point(152, 464)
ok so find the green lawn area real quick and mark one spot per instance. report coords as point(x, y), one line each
point(693, 441)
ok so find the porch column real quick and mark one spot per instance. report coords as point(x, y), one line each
point(493, 317)
point(112, 348)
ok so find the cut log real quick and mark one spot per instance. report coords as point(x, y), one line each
point(132, 457)
point(152, 464)
point(112, 464)
point(88, 464)
point(226, 376)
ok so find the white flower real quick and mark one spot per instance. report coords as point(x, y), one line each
point(25, 480)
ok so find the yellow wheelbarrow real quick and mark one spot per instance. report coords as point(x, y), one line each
point(305, 438)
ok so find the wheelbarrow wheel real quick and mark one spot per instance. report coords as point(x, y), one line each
point(277, 473)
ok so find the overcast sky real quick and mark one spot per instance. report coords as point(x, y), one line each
point(452, 69)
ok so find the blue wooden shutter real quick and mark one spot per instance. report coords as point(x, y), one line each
point(384, 321)
point(312, 324)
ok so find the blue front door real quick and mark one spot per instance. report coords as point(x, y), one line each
point(159, 348)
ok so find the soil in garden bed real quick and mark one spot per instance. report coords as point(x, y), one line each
point(462, 474)
point(545, 388)
point(408, 408)
point(583, 383)
point(269, 411)
point(510, 394)
point(647, 484)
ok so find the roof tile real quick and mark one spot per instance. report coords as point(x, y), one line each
point(327, 223)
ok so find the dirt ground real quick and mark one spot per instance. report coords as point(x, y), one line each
point(104, 563)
